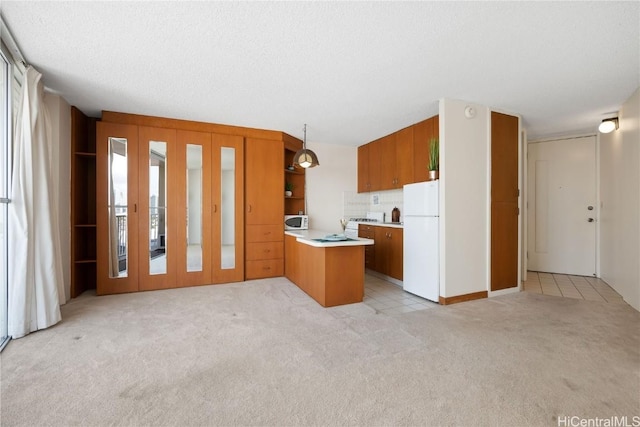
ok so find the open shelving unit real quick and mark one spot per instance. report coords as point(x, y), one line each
point(83, 203)
point(294, 204)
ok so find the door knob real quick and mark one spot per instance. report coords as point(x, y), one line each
point(590, 220)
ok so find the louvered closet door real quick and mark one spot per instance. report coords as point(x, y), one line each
point(159, 211)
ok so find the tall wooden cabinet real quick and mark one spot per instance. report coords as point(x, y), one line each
point(264, 208)
point(504, 201)
point(170, 205)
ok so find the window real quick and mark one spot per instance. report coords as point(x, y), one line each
point(6, 79)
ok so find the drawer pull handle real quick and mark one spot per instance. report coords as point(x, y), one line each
point(266, 268)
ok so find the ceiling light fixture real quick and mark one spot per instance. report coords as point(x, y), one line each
point(305, 158)
point(608, 125)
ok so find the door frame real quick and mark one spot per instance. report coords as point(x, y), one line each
point(598, 204)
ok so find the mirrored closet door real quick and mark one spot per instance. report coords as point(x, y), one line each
point(117, 209)
point(157, 192)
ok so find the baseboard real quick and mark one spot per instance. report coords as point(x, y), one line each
point(462, 298)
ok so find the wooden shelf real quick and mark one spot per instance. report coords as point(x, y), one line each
point(85, 154)
point(85, 261)
point(85, 225)
point(294, 172)
point(294, 198)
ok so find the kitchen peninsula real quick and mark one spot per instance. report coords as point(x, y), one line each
point(330, 271)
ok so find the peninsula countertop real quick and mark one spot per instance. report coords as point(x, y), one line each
point(317, 238)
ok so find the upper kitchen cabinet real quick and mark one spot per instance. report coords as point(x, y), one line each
point(423, 133)
point(364, 184)
point(403, 154)
point(386, 163)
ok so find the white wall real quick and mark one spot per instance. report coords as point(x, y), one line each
point(464, 198)
point(60, 115)
point(326, 183)
point(620, 204)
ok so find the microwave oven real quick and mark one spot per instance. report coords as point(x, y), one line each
point(296, 222)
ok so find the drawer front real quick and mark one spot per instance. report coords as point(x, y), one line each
point(264, 268)
point(266, 250)
point(366, 231)
point(265, 233)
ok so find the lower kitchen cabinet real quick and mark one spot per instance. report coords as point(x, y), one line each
point(385, 256)
point(367, 231)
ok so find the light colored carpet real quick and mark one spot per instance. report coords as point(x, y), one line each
point(264, 353)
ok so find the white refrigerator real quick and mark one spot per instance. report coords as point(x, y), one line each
point(421, 275)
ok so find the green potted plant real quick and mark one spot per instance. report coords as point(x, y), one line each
point(434, 159)
point(288, 189)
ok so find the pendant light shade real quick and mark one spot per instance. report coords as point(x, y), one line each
point(305, 158)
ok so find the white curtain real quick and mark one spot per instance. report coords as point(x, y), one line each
point(36, 287)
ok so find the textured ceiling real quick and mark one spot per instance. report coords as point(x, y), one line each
point(353, 71)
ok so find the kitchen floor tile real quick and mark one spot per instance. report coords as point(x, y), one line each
point(389, 298)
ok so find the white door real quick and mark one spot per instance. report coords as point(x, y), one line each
point(562, 206)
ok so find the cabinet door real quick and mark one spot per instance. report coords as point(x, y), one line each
point(421, 136)
point(117, 209)
point(264, 182)
point(388, 162)
point(375, 165)
point(381, 261)
point(363, 169)
point(423, 133)
point(395, 252)
point(227, 216)
point(404, 157)
point(367, 232)
point(158, 221)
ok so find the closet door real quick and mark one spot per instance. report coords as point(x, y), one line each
point(158, 189)
point(193, 242)
point(117, 208)
point(227, 217)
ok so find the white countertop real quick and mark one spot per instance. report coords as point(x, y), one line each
point(307, 237)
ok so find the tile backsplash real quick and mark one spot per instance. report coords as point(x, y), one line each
point(356, 205)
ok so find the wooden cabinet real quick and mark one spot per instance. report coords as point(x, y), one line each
point(423, 133)
point(264, 188)
point(386, 255)
point(364, 184)
point(403, 155)
point(83, 203)
point(504, 201)
point(170, 207)
point(367, 231)
point(389, 249)
point(264, 207)
point(395, 160)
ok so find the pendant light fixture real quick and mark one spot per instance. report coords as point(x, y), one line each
point(305, 158)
